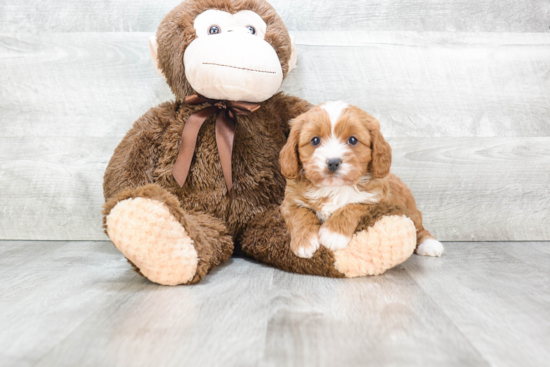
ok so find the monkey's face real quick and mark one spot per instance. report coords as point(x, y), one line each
point(230, 59)
point(224, 49)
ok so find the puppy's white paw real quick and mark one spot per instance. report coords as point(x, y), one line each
point(332, 240)
point(306, 250)
point(430, 247)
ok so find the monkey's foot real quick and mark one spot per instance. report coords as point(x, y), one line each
point(150, 237)
point(389, 242)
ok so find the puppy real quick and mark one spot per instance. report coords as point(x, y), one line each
point(337, 164)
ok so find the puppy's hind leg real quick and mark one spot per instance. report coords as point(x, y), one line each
point(427, 245)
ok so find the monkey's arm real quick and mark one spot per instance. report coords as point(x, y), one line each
point(135, 158)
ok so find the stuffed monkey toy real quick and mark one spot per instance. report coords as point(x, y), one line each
point(196, 177)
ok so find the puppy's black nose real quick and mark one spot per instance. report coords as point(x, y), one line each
point(333, 164)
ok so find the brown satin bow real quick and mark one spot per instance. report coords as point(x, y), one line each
point(225, 132)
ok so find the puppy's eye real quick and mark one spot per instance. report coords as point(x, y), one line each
point(315, 141)
point(251, 29)
point(352, 140)
point(214, 29)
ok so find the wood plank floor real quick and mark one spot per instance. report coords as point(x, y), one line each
point(80, 304)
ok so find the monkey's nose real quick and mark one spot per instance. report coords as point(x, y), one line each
point(333, 164)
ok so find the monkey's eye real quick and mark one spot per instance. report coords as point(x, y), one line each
point(315, 141)
point(214, 30)
point(251, 29)
point(352, 140)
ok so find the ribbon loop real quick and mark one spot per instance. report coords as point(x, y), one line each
point(225, 134)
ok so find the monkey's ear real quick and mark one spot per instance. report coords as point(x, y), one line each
point(293, 55)
point(153, 49)
point(290, 164)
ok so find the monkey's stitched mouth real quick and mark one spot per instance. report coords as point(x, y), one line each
point(236, 67)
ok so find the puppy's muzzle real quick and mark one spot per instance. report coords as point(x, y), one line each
point(333, 164)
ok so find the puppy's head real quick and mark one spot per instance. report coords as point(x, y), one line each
point(335, 144)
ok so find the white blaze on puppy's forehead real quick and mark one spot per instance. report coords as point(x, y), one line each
point(334, 110)
point(333, 147)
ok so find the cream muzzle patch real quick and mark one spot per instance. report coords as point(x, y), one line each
point(230, 60)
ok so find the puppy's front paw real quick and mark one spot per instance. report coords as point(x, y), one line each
point(332, 240)
point(430, 247)
point(305, 248)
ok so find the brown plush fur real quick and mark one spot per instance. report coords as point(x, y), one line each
point(142, 163)
point(148, 152)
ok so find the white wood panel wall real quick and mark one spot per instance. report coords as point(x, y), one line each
point(467, 113)
point(299, 15)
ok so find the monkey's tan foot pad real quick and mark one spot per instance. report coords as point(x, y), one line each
point(151, 238)
point(388, 243)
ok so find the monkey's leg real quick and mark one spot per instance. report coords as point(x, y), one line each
point(166, 244)
point(384, 239)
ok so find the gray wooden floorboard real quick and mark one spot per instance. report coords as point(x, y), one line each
point(500, 303)
point(534, 254)
point(48, 289)
point(79, 303)
point(380, 15)
point(377, 321)
point(221, 322)
point(467, 115)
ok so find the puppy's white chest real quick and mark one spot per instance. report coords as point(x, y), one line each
point(336, 197)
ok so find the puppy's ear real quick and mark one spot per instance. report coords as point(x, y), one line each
point(381, 155)
point(290, 163)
